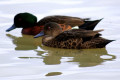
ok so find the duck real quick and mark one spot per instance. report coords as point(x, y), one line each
point(73, 38)
point(30, 26)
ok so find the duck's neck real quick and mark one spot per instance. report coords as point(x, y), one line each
point(47, 38)
point(32, 30)
point(27, 31)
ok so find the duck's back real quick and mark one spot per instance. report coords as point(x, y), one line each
point(78, 39)
point(67, 20)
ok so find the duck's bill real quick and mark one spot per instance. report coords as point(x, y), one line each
point(39, 35)
point(11, 28)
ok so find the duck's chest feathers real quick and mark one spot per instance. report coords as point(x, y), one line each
point(68, 44)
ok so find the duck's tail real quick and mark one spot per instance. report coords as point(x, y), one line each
point(103, 43)
point(89, 25)
point(108, 41)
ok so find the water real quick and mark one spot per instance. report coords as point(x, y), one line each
point(25, 58)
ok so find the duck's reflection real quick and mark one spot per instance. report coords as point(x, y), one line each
point(84, 57)
point(51, 56)
point(26, 42)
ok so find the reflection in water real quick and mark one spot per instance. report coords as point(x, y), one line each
point(53, 74)
point(52, 56)
point(84, 57)
point(26, 42)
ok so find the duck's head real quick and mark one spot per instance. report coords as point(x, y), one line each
point(23, 20)
point(50, 29)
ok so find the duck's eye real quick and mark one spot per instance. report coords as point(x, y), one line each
point(19, 19)
point(49, 27)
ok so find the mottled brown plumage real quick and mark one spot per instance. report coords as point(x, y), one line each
point(72, 39)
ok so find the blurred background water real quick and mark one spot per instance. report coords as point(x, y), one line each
point(25, 58)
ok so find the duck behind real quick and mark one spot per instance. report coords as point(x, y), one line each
point(72, 39)
point(30, 26)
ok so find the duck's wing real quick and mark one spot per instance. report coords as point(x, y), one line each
point(67, 20)
point(77, 34)
point(82, 23)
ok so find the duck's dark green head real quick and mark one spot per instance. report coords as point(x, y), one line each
point(23, 20)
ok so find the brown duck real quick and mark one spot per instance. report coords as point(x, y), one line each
point(30, 26)
point(72, 39)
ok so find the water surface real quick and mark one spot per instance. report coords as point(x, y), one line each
point(24, 58)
